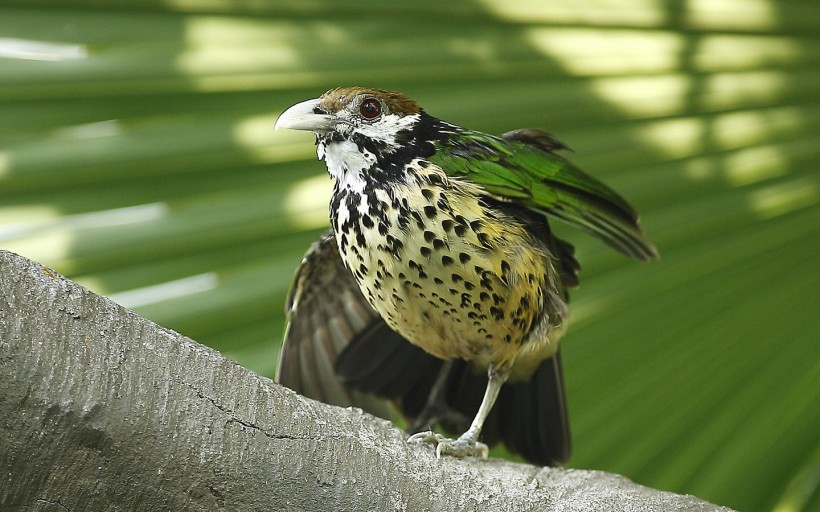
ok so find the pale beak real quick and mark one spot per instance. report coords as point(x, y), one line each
point(303, 116)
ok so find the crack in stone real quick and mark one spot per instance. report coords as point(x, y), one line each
point(49, 502)
point(233, 418)
point(267, 433)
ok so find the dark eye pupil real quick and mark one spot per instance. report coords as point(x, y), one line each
point(371, 108)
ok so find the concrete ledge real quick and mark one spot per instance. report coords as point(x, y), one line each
point(103, 410)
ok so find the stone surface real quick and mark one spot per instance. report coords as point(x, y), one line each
point(103, 410)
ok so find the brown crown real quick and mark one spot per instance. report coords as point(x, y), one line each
point(335, 99)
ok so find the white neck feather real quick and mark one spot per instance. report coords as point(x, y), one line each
point(346, 163)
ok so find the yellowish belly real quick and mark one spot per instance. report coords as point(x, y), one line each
point(457, 281)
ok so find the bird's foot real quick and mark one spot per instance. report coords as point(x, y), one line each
point(461, 447)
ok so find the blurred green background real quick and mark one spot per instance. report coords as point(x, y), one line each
point(137, 157)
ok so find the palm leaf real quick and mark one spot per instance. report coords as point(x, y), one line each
point(137, 157)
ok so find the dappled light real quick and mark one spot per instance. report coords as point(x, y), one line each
point(676, 138)
point(254, 135)
point(306, 202)
point(108, 128)
point(731, 14)
point(644, 96)
point(596, 52)
point(218, 46)
point(784, 198)
point(177, 288)
point(726, 90)
point(27, 49)
point(138, 157)
point(587, 12)
point(755, 164)
point(47, 234)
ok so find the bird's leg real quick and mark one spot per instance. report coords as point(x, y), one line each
point(436, 411)
point(467, 444)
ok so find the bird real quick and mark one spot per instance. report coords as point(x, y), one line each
point(440, 289)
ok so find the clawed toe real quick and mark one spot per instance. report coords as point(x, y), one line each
point(427, 436)
point(460, 447)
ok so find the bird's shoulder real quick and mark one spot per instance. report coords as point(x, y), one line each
point(525, 167)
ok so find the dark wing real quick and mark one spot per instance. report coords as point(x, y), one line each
point(339, 351)
point(523, 167)
point(326, 312)
point(530, 417)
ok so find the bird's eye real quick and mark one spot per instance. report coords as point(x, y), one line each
point(370, 108)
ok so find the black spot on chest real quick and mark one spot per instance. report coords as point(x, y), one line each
point(365, 211)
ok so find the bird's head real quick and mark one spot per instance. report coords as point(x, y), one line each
point(344, 111)
point(357, 127)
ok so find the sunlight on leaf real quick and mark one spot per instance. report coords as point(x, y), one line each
point(216, 45)
point(26, 49)
point(729, 89)
point(5, 163)
point(255, 134)
point(755, 164)
point(108, 128)
point(592, 51)
point(802, 489)
point(27, 220)
point(743, 51)
point(784, 198)
point(742, 128)
point(306, 202)
point(137, 155)
point(588, 12)
point(736, 14)
point(169, 290)
point(51, 236)
point(676, 137)
point(644, 95)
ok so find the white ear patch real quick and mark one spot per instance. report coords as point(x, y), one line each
point(386, 128)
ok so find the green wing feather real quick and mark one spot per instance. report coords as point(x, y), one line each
point(523, 167)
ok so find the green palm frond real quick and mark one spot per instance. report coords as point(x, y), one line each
point(137, 157)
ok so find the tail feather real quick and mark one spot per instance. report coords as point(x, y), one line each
point(382, 362)
point(532, 418)
point(529, 417)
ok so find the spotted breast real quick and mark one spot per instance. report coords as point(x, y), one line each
point(449, 272)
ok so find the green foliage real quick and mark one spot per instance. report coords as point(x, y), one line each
point(545, 182)
point(137, 156)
